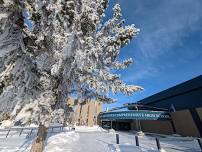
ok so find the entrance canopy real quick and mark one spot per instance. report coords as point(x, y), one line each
point(135, 114)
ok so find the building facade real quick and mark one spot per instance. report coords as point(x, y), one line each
point(184, 104)
point(86, 113)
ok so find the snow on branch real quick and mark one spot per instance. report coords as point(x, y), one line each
point(68, 50)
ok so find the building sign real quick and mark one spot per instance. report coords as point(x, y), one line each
point(136, 114)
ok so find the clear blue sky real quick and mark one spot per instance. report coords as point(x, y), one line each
point(168, 49)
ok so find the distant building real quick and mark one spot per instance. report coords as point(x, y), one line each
point(85, 113)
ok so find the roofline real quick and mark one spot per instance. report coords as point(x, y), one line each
point(177, 94)
point(142, 101)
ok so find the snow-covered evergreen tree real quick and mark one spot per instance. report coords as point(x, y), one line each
point(18, 78)
point(66, 49)
point(69, 50)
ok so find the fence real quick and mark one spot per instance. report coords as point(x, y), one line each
point(30, 131)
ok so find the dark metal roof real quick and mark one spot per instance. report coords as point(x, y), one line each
point(178, 93)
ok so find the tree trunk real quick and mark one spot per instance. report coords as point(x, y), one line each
point(65, 122)
point(39, 143)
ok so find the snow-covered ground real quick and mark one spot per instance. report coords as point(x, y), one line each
point(95, 139)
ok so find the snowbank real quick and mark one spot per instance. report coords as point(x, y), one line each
point(88, 129)
point(6, 124)
point(59, 142)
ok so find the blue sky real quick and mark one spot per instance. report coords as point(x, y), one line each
point(168, 49)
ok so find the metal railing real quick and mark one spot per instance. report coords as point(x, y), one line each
point(29, 131)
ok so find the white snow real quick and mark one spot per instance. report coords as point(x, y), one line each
point(61, 142)
point(88, 129)
point(6, 123)
point(94, 139)
point(3, 15)
point(71, 52)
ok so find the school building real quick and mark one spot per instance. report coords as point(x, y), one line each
point(177, 110)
